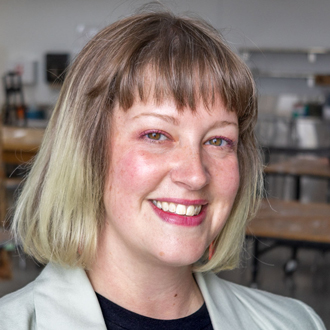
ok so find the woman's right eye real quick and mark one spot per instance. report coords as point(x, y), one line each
point(156, 136)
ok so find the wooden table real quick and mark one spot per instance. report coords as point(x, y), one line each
point(5, 262)
point(20, 144)
point(289, 223)
point(292, 221)
point(5, 237)
point(299, 166)
point(318, 152)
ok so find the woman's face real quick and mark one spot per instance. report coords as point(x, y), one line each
point(172, 181)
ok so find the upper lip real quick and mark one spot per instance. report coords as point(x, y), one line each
point(182, 201)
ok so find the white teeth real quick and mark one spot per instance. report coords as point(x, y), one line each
point(198, 209)
point(180, 209)
point(172, 207)
point(189, 210)
point(165, 206)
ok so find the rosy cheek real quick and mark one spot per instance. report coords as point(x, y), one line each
point(137, 169)
point(230, 178)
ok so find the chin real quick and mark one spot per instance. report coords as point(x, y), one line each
point(180, 258)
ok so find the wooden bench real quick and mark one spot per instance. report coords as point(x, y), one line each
point(289, 223)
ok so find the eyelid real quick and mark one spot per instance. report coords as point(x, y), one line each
point(145, 133)
point(229, 142)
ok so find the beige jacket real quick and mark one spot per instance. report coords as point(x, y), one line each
point(63, 299)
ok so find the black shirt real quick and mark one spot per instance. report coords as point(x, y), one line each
point(119, 318)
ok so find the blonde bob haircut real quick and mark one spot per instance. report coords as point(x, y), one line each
point(152, 54)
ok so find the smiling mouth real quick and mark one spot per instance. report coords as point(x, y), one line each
point(187, 210)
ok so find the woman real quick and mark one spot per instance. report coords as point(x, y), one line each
point(144, 183)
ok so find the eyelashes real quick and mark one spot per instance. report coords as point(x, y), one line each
point(220, 142)
point(157, 136)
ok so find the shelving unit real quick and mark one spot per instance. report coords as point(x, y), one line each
point(312, 50)
point(310, 64)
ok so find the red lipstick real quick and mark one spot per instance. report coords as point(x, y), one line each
point(181, 220)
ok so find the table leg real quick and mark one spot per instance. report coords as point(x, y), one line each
point(255, 264)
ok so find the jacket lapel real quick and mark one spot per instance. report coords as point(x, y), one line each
point(224, 307)
point(64, 299)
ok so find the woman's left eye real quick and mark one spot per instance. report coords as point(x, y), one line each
point(217, 142)
point(156, 136)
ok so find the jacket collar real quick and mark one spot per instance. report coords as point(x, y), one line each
point(222, 303)
point(64, 299)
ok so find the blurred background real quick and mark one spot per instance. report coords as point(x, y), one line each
point(285, 43)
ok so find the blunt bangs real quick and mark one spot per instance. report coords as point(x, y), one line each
point(164, 57)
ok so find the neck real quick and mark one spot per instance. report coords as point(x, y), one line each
point(146, 288)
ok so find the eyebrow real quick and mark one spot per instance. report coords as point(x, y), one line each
point(169, 119)
point(224, 123)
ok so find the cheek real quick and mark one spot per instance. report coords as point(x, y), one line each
point(227, 178)
point(134, 172)
point(234, 178)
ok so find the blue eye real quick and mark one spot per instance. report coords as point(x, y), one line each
point(156, 136)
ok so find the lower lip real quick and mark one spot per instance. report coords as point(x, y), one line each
point(181, 220)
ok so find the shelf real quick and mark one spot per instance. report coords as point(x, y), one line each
point(307, 64)
point(312, 78)
point(312, 50)
point(282, 75)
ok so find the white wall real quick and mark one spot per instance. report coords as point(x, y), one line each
point(30, 28)
point(278, 23)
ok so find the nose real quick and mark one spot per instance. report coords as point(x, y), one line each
point(189, 169)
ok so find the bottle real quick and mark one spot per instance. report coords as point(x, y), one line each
point(20, 111)
point(326, 108)
point(299, 109)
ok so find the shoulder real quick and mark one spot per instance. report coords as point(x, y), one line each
point(17, 309)
point(258, 307)
point(59, 298)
